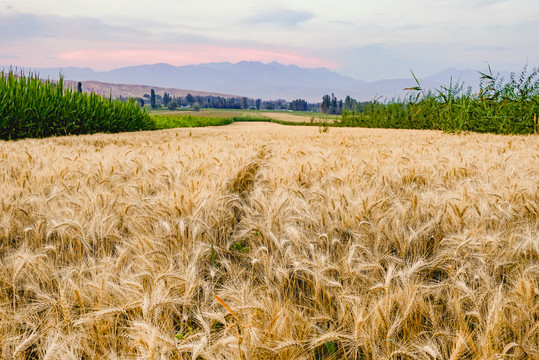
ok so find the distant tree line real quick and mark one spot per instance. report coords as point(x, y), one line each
point(332, 105)
point(299, 105)
point(329, 105)
point(157, 101)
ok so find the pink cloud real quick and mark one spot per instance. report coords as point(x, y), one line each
point(185, 55)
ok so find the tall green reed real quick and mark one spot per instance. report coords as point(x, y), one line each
point(506, 107)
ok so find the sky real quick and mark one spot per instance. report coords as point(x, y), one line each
point(368, 40)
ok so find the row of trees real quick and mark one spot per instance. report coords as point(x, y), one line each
point(156, 101)
point(330, 103)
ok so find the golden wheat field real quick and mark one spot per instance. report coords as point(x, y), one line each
point(260, 241)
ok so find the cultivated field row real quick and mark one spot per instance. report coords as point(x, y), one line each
point(260, 241)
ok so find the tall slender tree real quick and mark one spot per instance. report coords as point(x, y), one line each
point(166, 98)
point(243, 103)
point(326, 104)
point(152, 99)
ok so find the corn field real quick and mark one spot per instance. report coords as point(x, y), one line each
point(260, 241)
point(31, 107)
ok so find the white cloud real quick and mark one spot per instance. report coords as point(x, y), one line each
point(283, 18)
point(17, 27)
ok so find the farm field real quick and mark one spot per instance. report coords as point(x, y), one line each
point(285, 116)
point(262, 241)
point(212, 113)
point(164, 119)
point(300, 117)
point(206, 117)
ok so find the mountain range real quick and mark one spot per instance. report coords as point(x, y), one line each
point(259, 80)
